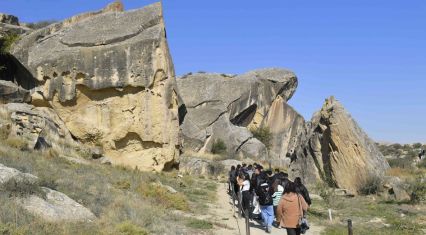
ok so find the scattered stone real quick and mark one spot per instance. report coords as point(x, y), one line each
point(57, 207)
point(12, 93)
point(7, 174)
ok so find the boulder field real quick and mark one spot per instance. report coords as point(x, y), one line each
point(90, 80)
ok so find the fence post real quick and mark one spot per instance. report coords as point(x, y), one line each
point(350, 230)
point(246, 213)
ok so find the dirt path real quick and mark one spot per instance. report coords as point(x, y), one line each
point(228, 224)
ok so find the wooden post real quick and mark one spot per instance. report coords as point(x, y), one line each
point(350, 230)
point(246, 213)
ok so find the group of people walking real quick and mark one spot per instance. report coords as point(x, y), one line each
point(279, 201)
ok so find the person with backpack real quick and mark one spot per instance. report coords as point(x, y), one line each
point(264, 191)
point(302, 190)
point(291, 210)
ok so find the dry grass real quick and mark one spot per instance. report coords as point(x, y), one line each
point(123, 199)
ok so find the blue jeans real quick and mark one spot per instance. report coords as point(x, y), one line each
point(267, 215)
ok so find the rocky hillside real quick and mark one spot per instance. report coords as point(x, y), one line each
point(89, 85)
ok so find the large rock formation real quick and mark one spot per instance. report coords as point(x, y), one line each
point(220, 106)
point(286, 127)
point(110, 78)
point(338, 151)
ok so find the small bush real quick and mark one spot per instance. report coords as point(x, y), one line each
point(164, 198)
point(128, 228)
point(263, 134)
point(7, 41)
point(22, 188)
point(123, 185)
point(417, 190)
point(17, 142)
point(199, 224)
point(219, 147)
point(372, 185)
point(40, 24)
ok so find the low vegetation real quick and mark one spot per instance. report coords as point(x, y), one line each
point(263, 134)
point(7, 41)
point(125, 201)
point(219, 147)
point(40, 24)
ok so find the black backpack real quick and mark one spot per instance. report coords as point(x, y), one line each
point(264, 194)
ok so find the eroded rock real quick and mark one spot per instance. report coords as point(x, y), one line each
point(224, 107)
point(113, 86)
point(338, 151)
point(12, 93)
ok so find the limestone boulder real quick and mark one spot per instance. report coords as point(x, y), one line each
point(113, 86)
point(8, 174)
point(338, 151)
point(12, 93)
point(56, 207)
point(220, 106)
point(32, 123)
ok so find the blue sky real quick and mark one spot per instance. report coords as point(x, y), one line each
point(370, 54)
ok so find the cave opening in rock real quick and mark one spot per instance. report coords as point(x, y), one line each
point(12, 70)
point(245, 117)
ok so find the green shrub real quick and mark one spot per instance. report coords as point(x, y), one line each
point(128, 228)
point(40, 24)
point(7, 41)
point(219, 147)
point(417, 190)
point(263, 134)
point(199, 224)
point(417, 145)
point(372, 185)
point(163, 197)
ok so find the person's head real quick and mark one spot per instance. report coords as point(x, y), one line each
point(277, 171)
point(285, 175)
point(258, 170)
point(232, 168)
point(269, 173)
point(241, 176)
point(275, 184)
point(244, 165)
point(298, 181)
point(250, 167)
point(290, 188)
point(238, 166)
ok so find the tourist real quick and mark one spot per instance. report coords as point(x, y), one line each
point(231, 179)
point(284, 179)
point(264, 191)
point(302, 190)
point(278, 192)
point(244, 183)
point(291, 209)
point(250, 170)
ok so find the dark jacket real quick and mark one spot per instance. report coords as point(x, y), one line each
point(303, 191)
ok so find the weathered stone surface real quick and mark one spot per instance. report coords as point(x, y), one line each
point(286, 127)
point(338, 151)
point(222, 107)
point(57, 207)
point(7, 174)
point(30, 123)
point(112, 85)
point(198, 166)
point(395, 189)
point(12, 93)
